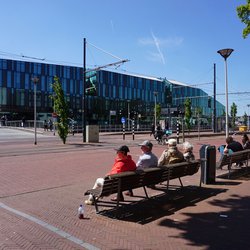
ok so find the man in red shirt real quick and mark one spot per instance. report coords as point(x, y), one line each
point(123, 163)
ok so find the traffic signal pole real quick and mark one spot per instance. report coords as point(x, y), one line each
point(84, 93)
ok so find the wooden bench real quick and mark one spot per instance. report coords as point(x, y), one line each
point(234, 158)
point(118, 183)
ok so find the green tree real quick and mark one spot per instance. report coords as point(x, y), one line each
point(158, 111)
point(188, 113)
point(198, 111)
point(61, 108)
point(233, 114)
point(243, 12)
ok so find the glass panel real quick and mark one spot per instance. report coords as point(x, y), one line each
point(3, 96)
point(8, 79)
point(27, 81)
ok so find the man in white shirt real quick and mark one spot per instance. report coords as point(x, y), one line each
point(146, 160)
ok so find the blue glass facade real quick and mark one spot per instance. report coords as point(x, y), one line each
point(114, 90)
point(198, 98)
point(117, 93)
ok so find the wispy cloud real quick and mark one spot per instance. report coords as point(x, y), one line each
point(112, 25)
point(160, 44)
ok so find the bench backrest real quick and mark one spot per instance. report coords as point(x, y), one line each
point(150, 176)
point(235, 157)
point(110, 186)
point(179, 170)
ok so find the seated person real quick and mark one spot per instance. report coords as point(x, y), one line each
point(245, 141)
point(147, 160)
point(188, 151)
point(231, 146)
point(123, 163)
point(170, 155)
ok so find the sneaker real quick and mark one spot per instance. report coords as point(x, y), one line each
point(89, 202)
point(129, 193)
point(115, 199)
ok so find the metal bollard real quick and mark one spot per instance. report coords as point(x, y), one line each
point(133, 129)
point(177, 132)
point(123, 131)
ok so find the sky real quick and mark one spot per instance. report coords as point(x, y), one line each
point(173, 39)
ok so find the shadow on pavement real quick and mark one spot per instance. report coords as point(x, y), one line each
point(146, 211)
point(237, 174)
point(217, 230)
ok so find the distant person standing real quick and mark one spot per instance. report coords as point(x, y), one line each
point(45, 125)
point(50, 125)
point(3, 120)
point(152, 132)
point(23, 121)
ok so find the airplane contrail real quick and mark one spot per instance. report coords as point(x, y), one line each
point(158, 47)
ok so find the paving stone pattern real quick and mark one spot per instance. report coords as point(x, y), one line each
point(46, 182)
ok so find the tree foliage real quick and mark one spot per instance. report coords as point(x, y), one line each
point(158, 111)
point(188, 113)
point(243, 12)
point(61, 108)
point(233, 114)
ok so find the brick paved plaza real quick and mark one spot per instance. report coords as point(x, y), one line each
point(42, 186)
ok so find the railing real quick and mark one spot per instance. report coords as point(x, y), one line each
point(102, 128)
point(26, 124)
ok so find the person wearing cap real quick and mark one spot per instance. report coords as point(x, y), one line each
point(147, 160)
point(170, 155)
point(123, 162)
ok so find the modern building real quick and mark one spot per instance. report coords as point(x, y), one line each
point(109, 95)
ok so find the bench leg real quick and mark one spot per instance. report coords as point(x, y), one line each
point(229, 170)
point(95, 203)
point(145, 190)
point(180, 182)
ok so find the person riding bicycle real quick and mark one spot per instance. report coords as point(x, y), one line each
point(158, 133)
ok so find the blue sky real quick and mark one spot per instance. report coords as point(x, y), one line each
point(176, 39)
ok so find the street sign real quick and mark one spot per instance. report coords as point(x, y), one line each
point(54, 114)
point(123, 119)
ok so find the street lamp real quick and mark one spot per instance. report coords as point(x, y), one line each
point(155, 94)
point(248, 121)
point(128, 114)
point(225, 53)
point(35, 80)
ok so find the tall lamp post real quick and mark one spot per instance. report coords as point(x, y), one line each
point(35, 80)
point(225, 53)
point(128, 114)
point(248, 121)
point(155, 95)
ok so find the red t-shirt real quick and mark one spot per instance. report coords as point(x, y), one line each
point(123, 165)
